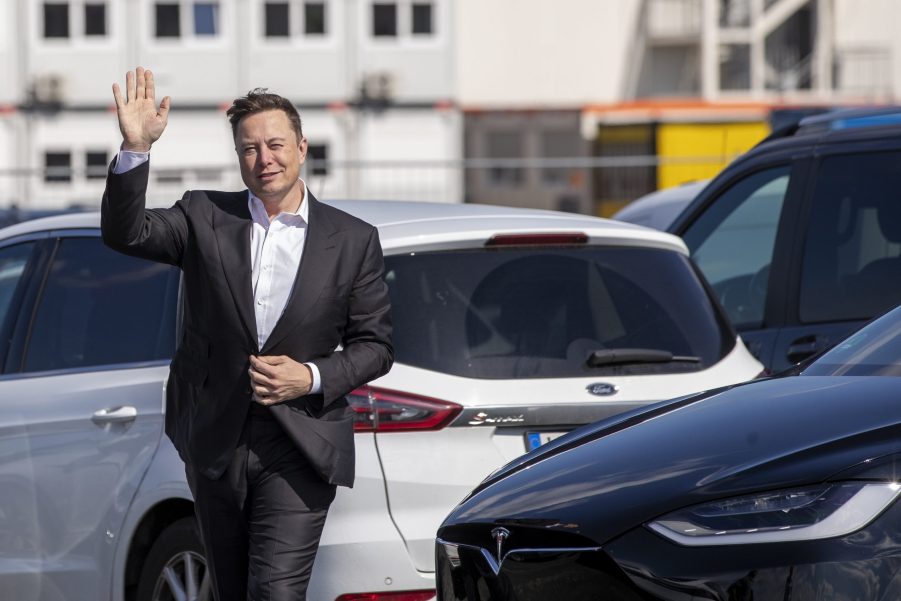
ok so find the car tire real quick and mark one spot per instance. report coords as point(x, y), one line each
point(175, 567)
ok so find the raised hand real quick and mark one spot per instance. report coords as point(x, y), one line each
point(140, 122)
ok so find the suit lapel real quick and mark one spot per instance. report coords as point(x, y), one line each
point(232, 227)
point(317, 263)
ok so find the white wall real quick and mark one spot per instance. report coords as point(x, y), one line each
point(870, 25)
point(539, 53)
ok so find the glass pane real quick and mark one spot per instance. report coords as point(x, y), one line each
point(314, 18)
point(732, 243)
point(735, 67)
point(276, 19)
point(422, 18)
point(206, 18)
point(318, 154)
point(168, 21)
point(852, 254)
point(542, 312)
point(58, 166)
point(12, 265)
point(504, 145)
point(559, 145)
point(875, 350)
point(56, 20)
point(384, 20)
point(735, 13)
point(96, 164)
point(95, 19)
point(100, 307)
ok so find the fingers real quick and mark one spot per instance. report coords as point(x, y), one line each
point(129, 86)
point(141, 84)
point(149, 88)
point(164, 108)
point(117, 95)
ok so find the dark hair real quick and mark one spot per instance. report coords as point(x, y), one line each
point(259, 100)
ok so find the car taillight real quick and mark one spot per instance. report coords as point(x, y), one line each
point(381, 410)
point(398, 596)
point(538, 239)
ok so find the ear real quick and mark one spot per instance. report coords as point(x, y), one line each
point(302, 147)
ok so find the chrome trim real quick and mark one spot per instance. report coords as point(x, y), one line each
point(29, 237)
point(494, 564)
point(572, 414)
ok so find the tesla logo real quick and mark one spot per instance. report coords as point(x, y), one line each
point(481, 418)
point(499, 535)
point(602, 389)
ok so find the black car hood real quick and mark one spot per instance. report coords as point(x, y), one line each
point(761, 436)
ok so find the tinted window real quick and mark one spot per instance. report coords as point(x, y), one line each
point(875, 350)
point(276, 19)
point(168, 20)
point(12, 265)
point(540, 313)
point(732, 243)
point(314, 18)
point(852, 254)
point(99, 307)
point(56, 20)
point(384, 19)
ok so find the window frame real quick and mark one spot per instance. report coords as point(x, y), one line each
point(188, 37)
point(23, 302)
point(77, 37)
point(296, 38)
point(405, 37)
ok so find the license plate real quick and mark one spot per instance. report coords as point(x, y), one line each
point(536, 439)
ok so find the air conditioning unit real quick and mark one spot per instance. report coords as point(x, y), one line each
point(48, 90)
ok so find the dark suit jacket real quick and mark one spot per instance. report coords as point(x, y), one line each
point(339, 298)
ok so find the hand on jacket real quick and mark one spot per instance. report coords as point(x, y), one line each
point(140, 122)
point(275, 379)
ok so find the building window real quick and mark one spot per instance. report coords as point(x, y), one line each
point(57, 167)
point(422, 18)
point(56, 20)
point(559, 145)
point(318, 154)
point(504, 146)
point(96, 162)
point(206, 18)
point(277, 20)
point(168, 20)
point(94, 19)
point(314, 18)
point(384, 19)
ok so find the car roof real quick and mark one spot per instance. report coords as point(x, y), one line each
point(660, 208)
point(405, 224)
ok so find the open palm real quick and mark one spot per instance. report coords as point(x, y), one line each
point(140, 122)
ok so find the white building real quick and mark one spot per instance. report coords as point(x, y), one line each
point(366, 76)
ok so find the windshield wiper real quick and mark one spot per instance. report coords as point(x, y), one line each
point(623, 356)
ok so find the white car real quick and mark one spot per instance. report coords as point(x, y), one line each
point(510, 327)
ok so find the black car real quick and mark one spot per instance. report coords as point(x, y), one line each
point(801, 236)
point(785, 489)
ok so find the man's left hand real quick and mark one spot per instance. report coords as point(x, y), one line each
point(275, 379)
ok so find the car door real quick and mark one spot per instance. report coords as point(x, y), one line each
point(81, 403)
point(737, 235)
point(850, 251)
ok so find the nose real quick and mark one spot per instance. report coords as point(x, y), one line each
point(264, 156)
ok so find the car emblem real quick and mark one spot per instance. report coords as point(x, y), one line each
point(499, 535)
point(481, 419)
point(602, 389)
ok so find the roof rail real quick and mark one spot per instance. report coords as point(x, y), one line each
point(850, 119)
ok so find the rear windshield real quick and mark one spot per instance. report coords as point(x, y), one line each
point(544, 312)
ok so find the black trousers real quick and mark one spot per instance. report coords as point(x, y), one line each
point(261, 521)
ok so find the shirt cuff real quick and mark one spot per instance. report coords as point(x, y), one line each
point(316, 386)
point(127, 160)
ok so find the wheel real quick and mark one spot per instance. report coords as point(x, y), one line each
point(175, 569)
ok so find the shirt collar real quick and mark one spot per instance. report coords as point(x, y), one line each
point(258, 209)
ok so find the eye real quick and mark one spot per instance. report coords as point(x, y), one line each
point(249, 150)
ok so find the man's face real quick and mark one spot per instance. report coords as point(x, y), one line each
point(270, 154)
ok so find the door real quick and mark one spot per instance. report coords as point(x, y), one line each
point(80, 416)
point(850, 268)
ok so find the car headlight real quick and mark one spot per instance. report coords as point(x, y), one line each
point(808, 513)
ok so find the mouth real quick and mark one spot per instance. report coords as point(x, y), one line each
point(267, 176)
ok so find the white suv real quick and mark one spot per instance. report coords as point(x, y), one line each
point(510, 328)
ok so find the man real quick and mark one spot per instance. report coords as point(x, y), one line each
point(284, 312)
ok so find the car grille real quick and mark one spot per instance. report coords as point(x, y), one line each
point(470, 573)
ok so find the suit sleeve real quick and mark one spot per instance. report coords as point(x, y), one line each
point(128, 227)
point(366, 351)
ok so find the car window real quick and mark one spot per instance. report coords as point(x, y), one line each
point(99, 307)
point(542, 312)
point(732, 243)
point(12, 265)
point(852, 253)
point(874, 350)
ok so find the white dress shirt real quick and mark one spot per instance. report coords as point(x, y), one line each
point(276, 247)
